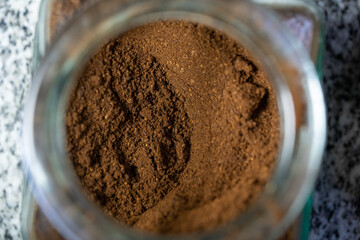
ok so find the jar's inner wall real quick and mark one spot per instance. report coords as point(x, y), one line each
point(62, 11)
point(173, 128)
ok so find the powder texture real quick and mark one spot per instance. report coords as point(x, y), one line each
point(172, 127)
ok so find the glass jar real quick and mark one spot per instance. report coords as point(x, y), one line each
point(59, 55)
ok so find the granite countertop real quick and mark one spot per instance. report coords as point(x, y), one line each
point(17, 24)
point(336, 206)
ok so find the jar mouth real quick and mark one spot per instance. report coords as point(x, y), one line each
point(300, 102)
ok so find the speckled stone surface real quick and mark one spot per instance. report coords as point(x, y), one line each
point(336, 207)
point(17, 21)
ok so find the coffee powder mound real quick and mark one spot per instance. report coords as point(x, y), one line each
point(172, 127)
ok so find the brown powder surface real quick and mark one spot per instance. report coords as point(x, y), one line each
point(172, 127)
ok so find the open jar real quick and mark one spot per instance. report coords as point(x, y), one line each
point(60, 54)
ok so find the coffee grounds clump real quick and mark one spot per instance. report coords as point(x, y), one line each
point(173, 127)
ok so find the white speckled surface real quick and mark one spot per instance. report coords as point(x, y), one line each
point(17, 21)
point(336, 208)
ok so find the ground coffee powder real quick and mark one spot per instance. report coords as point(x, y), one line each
point(172, 127)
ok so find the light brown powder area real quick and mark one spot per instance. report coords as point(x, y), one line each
point(173, 128)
